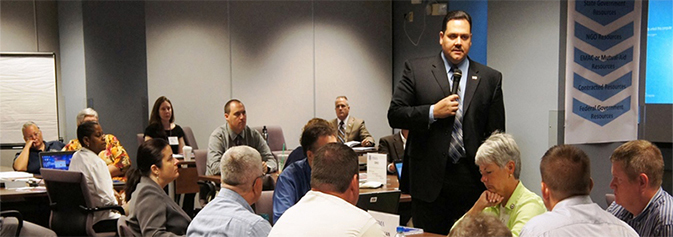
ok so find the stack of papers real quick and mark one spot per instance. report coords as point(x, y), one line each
point(12, 175)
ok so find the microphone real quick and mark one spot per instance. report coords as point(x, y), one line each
point(457, 74)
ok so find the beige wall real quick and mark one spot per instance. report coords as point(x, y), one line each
point(286, 61)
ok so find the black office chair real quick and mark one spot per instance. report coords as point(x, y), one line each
point(16, 214)
point(71, 206)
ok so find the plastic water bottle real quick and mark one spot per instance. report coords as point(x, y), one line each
point(400, 231)
point(265, 133)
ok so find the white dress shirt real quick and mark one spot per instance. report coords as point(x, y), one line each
point(577, 216)
point(98, 180)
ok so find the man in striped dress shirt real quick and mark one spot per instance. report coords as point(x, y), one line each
point(637, 172)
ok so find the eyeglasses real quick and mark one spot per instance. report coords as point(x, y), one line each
point(258, 177)
point(34, 136)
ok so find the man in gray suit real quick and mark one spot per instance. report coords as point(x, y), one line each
point(349, 128)
point(445, 127)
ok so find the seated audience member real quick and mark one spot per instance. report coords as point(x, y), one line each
point(349, 128)
point(394, 145)
point(230, 213)
point(28, 158)
point(637, 173)
point(298, 153)
point(114, 155)
point(97, 175)
point(294, 156)
point(499, 163)
point(482, 225)
point(235, 132)
point(566, 184)
point(151, 211)
point(8, 227)
point(295, 180)
point(329, 208)
point(162, 125)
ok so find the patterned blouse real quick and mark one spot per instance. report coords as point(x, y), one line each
point(114, 153)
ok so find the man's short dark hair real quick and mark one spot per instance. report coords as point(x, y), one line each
point(456, 15)
point(226, 106)
point(566, 170)
point(314, 129)
point(640, 156)
point(333, 167)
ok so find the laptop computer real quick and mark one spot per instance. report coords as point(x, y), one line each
point(398, 167)
point(386, 201)
point(56, 160)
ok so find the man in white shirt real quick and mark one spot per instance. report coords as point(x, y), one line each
point(566, 184)
point(329, 208)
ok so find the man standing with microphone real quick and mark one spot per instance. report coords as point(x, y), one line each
point(450, 104)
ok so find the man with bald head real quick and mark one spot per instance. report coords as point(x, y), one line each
point(235, 132)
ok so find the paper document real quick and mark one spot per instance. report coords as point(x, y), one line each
point(10, 175)
point(376, 167)
point(388, 222)
point(352, 143)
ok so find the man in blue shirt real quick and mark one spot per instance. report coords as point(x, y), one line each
point(28, 159)
point(637, 173)
point(295, 180)
point(230, 214)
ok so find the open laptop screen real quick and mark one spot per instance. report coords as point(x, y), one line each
point(398, 167)
point(56, 160)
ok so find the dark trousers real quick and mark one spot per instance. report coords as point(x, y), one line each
point(460, 190)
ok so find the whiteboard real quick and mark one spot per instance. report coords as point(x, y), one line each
point(27, 93)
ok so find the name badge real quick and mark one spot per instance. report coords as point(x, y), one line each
point(173, 140)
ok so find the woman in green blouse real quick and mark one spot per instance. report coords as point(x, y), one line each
point(505, 197)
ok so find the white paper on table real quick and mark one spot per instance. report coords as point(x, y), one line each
point(376, 167)
point(388, 222)
point(11, 175)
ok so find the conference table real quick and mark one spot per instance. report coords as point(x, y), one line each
point(14, 194)
point(392, 184)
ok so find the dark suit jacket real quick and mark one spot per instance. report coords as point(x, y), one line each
point(424, 83)
point(393, 146)
point(355, 130)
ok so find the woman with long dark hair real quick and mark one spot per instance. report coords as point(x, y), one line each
point(151, 211)
point(162, 125)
